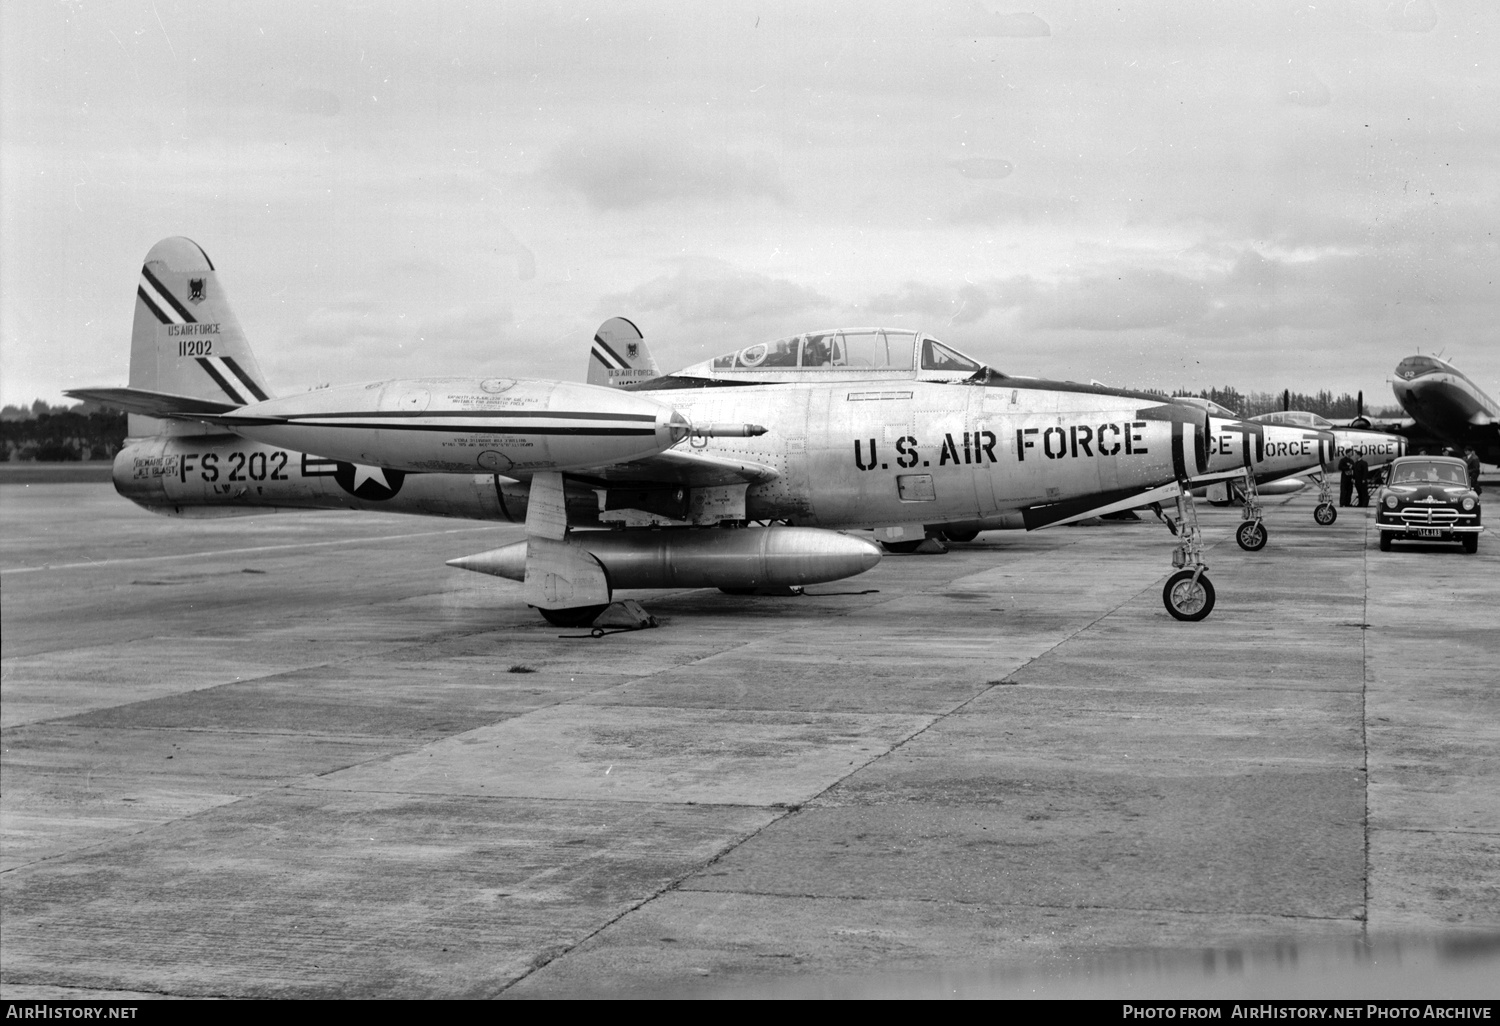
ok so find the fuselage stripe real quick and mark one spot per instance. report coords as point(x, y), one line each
point(486, 429)
point(471, 414)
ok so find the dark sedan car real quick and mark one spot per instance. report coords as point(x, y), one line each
point(1428, 498)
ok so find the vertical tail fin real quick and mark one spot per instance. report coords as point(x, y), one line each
point(619, 355)
point(186, 339)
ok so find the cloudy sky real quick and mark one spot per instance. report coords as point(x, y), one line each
point(1269, 195)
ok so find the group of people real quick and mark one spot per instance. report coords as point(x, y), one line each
point(1354, 473)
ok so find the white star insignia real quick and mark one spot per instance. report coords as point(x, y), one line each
point(363, 474)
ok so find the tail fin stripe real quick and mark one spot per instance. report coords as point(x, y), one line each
point(219, 379)
point(603, 362)
point(166, 294)
point(245, 379)
point(620, 364)
point(141, 292)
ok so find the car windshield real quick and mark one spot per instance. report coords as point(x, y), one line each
point(1429, 473)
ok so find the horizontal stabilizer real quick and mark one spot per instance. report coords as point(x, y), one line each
point(161, 405)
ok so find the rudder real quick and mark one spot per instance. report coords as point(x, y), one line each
point(186, 339)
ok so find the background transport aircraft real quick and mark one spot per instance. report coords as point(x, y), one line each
point(1244, 452)
point(1447, 409)
point(839, 455)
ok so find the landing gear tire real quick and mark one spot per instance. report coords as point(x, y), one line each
point(1385, 541)
point(1325, 514)
point(960, 536)
point(1251, 536)
point(1186, 599)
point(902, 546)
point(1471, 543)
point(577, 616)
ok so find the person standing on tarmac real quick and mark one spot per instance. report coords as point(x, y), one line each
point(1362, 480)
point(1471, 460)
point(1346, 480)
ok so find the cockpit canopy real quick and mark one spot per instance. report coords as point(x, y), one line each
point(886, 352)
point(1294, 418)
point(1416, 366)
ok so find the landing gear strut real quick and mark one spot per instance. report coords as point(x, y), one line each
point(1188, 594)
point(1252, 533)
point(1325, 512)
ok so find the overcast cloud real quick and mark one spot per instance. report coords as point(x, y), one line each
point(1268, 195)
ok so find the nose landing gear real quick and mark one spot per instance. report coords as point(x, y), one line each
point(1252, 533)
point(1325, 512)
point(1188, 594)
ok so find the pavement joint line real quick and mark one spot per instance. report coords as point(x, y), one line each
point(789, 811)
point(1364, 715)
point(130, 560)
point(669, 887)
point(549, 799)
point(919, 900)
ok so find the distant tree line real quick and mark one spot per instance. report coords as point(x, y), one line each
point(59, 434)
point(1324, 404)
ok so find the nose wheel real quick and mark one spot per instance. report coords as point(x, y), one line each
point(1188, 593)
point(1251, 536)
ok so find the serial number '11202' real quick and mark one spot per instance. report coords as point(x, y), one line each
point(195, 347)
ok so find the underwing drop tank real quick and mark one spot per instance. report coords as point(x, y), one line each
point(702, 558)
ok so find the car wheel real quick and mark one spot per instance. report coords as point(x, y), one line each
point(1471, 543)
point(1385, 541)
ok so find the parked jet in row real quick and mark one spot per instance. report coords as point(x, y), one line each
point(1235, 449)
point(207, 437)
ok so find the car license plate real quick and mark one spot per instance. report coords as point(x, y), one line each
point(1427, 532)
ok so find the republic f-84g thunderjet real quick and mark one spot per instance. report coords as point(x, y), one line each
point(207, 438)
point(1244, 452)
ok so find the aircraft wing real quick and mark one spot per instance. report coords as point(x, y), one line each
point(684, 467)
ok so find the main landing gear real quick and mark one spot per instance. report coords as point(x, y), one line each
point(1325, 512)
point(1252, 533)
point(1188, 594)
